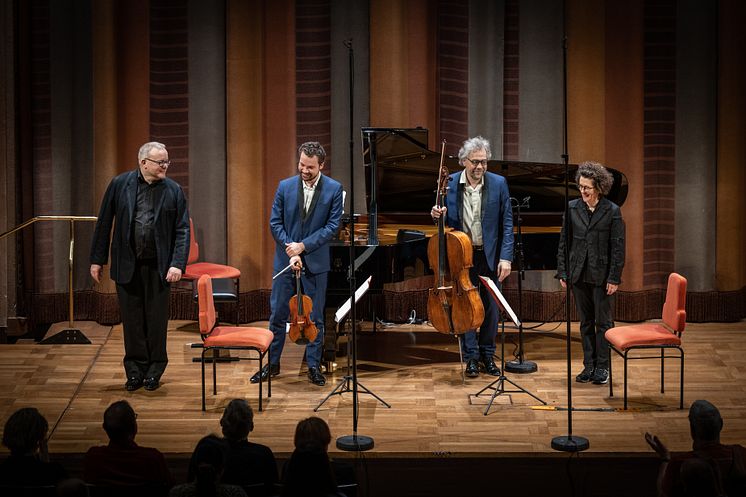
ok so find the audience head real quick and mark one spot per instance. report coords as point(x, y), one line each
point(705, 422)
point(120, 422)
point(312, 432)
point(238, 420)
point(72, 487)
point(207, 464)
point(308, 473)
point(25, 431)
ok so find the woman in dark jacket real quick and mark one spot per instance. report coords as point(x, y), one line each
point(596, 259)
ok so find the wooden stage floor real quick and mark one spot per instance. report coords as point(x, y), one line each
point(433, 413)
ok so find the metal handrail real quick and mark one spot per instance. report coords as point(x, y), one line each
point(72, 220)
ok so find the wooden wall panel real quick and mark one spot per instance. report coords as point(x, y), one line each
point(133, 81)
point(731, 180)
point(453, 73)
point(586, 77)
point(280, 142)
point(624, 123)
point(247, 212)
point(659, 59)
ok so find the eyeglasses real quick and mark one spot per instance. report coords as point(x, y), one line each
point(478, 162)
point(161, 163)
point(584, 188)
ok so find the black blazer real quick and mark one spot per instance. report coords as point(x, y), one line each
point(596, 243)
point(171, 226)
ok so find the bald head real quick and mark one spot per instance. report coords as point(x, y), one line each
point(705, 421)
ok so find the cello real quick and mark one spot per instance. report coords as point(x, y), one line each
point(453, 304)
point(302, 329)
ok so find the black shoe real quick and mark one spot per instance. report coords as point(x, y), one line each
point(133, 384)
point(585, 376)
point(472, 368)
point(600, 376)
point(489, 366)
point(315, 377)
point(151, 384)
point(264, 373)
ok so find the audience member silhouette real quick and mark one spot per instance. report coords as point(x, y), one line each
point(206, 470)
point(122, 461)
point(308, 473)
point(728, 461)
point(25, 435)
point(248, 462)
point(700, 478)
point(72, 487)
point(314, 432)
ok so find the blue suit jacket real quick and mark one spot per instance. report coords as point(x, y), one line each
point(315, 230)
point(497, 215)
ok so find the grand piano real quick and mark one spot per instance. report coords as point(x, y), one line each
point(391, 240)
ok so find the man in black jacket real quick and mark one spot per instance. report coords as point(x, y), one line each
point(149, 250)
point(595, 266)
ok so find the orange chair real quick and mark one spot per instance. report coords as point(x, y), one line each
point(662, 336)
point(196, 269)
point(227, 338)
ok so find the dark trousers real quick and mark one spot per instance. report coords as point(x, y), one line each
point(594, 311)
point(143, 303)
point(483, 344)
point(284, 287)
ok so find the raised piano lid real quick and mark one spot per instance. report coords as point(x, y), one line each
point(406, 172)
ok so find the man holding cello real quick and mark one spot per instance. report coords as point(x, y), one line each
point(305, 217)
point(478, 203)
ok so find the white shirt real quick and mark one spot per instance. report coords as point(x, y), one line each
point(471, 210)
point(308, 192)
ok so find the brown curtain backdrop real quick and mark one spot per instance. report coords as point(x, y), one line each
point(232, 87)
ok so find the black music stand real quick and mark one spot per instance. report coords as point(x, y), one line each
point(344, 384)
point(520, 365)
point(499, 384)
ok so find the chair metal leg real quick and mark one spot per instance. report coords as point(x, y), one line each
point(663, 369)
point(269, 379)
point(238, 301)
point(611, 374)
point(681, 382)
point(215, 375)
point(260, 380)
point(203, 379)
point(625, 379)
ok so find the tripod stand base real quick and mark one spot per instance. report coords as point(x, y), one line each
point(572, 443)
point(356, 443)
point(521, 367)
point(66, 337)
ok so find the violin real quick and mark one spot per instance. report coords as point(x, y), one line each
point(302, 329)
point(453, 304)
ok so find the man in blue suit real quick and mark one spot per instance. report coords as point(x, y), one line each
point(149, 249)
point(478, 203)
point(305, 217)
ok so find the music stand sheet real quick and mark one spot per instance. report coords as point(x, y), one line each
point(345, 308)
point(499, 298)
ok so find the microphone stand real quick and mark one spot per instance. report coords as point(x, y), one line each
point(569, 442)
point(353, 442)
point(520, 366)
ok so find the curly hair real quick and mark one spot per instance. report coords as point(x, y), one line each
point(313, 149)
point(24, 431)
point(472, 145)
point(596, 172)
point(238, 420)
